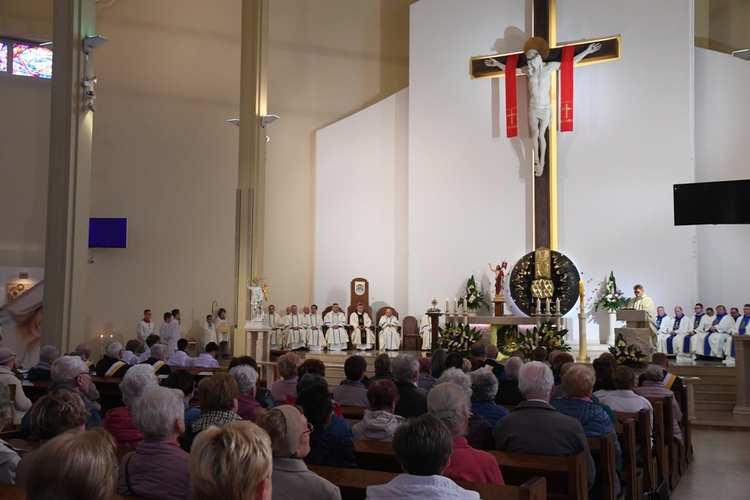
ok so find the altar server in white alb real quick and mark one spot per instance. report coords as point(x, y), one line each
point(362, 336)
point(221, 325)
point(336, 335)
point(170, 333)
point(294, 332)
point(313, 322)
point(718, 333)
point(209, 333)
point(677, 340)
point(389, 337)
point(740, 329)
point(146, 327)
point(425, 331)
point(643, 302)
point(276, 336)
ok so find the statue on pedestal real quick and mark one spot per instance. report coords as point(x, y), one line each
point(258, 295)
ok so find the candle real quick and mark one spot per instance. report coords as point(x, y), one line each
point(455, 306)
point(447, 305)
point(580, 288)
point(538, 305)
point(557, 306)
point(547, 305)
point(101, 345)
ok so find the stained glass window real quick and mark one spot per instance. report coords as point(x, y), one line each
point(32, 60)
point(3, 57)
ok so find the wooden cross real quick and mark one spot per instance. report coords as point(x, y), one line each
point(544, 13)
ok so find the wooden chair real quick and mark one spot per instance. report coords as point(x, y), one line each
point(377, 329)
point(687, 444)
point(603, 451)
point(411, 332)
point(672, 446)
point(643, 435)
point(631, 477)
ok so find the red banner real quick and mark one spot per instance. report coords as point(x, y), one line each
point(511, 97)
point(566, 89)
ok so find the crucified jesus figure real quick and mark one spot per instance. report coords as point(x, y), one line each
point(540, 105)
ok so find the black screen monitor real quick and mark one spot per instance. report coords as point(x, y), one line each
point(108, 233)
point(725, 202)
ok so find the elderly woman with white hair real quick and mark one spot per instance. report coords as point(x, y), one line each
point(450, 403)
point(119, 421)
point(484, 388)
point(287, 366)
point(246, 378)
point(478, 431)
point(159, 414)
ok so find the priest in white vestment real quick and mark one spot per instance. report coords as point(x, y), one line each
point(337, 336)
point(676, 341)
point(718, 333)
point(276, 335)
point(294, 331)
point(425, 331)
point(389, 338)
point(313, 322)
point(170, 333)
point(643, 302)
point(362, 336)
point(700, 324)
point(146, 327)
point(740, 329)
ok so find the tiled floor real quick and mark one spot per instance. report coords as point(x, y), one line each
point(720, 467)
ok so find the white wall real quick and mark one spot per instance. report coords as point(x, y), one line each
point(722, 108)
point(360, 213)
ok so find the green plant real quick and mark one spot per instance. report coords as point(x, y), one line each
point(473, 296)
point(546, 335)
point(458, 338)
point(627, 355)
point(610, 297)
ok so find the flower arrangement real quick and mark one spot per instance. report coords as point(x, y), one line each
point(458, 338)
point(473, 296)
point(546, 335)
point(610, 297)
point(627, 355)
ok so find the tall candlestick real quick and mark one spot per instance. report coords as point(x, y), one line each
point(101, 345)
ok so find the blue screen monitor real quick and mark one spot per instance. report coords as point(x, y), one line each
point(108, 233)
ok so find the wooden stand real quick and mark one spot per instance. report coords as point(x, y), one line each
point(499, 302)
point(256, 345)
point(742, 362)
point(434, 327)
point(636, 332)
point(583, 349)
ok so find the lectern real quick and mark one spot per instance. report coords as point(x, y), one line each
point(636, 331)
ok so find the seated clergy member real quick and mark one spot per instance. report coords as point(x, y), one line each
point(361, 336)
point(411, 402)
point(112, 364)
point(425, 332)
point(180, 357)
point(352, 391)
point(701, 324)
point(336, 335)
point(146, 327)
point(535, 426)
point(423, 446)
point(47, 355)
point(740, 328)
point(718, 333)
point(313, 322)
point(157, 360)
point(677, 341)
point(294, 332)
point(276, 336)
point(389, 338)
point(663, 322)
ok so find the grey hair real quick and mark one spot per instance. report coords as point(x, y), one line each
point(450, 403)
point(136, 380)
point(245, 376)
point(157, 350)
point(654, 373)
point(484, 384)
point(48, 352)
point(66, 369)
point(457, 377)
point(156, 410)
point(535, 380)
point(512, 367)
point(403, 367)
point(113, 350)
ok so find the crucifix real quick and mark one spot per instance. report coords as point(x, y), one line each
point(542, 51)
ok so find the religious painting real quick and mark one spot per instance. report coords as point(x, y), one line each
point(545, 275)
point(21, 320)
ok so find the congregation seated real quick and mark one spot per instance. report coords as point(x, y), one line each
point(287, 366)
point(325, 448)
point(455, 360)
point(130, 354)
point(8, 377)
point(69, 373)
point(426, 380)
point(653, 387)
point(112, 364)
point(74, 465)
point(150, 340)
point(423, 447)
point(262, 394)
point(218, 395)
point(490, 360)
point(180, 357)
point(55, 413)
point(382, 366)
point(290, 432)
point(604, 370)
point(119, 421)
point(535, 426)
point(159, 416)
point(9, 457)
point(438, 362)
point(411, 402)
point(351, 391)
point(477, 355)
point(83, 351)
point(450, 403)
point(208, 359)
point(47, 355)
point(158, 360)
point(246, 378)
point(483, 391)
point(232, 461)
point(557, 360)
point(623, 399)
point(183, 380)
point(379, 422)
point(478, 431)
point(337, 426)
point(507, 388)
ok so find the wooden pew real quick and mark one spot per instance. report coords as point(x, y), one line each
point(18, 492)
point(631, 477)
point(643, 434)
point(353, 484)
point(659, 444)
point(603, 451)
point(353, 412)
point(673, 448)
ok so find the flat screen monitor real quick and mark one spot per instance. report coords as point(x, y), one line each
point(724, 202)
point(108, 232)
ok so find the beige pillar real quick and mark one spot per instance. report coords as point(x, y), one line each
point(251, 177)
point(68, 194)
